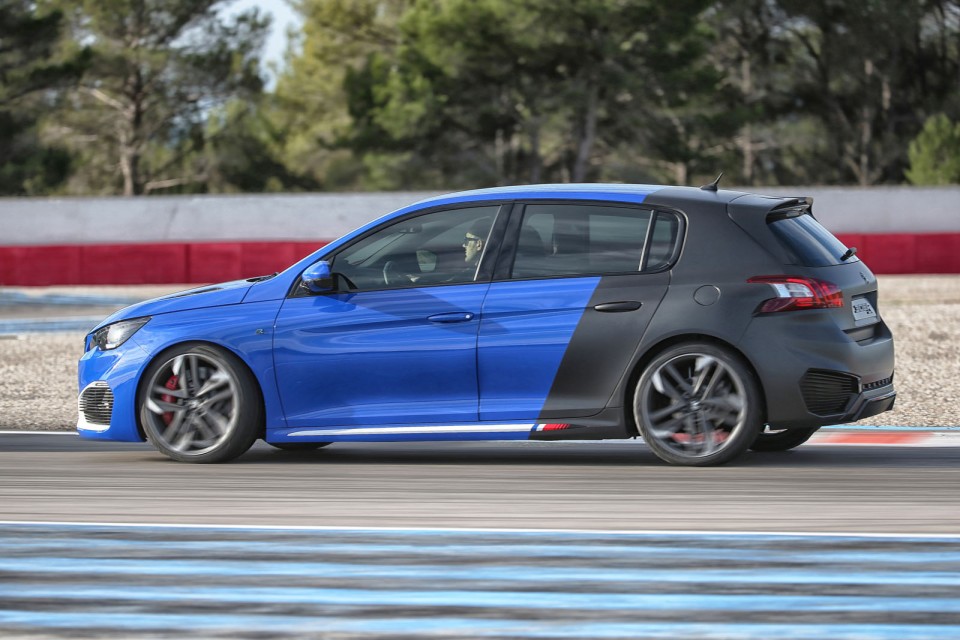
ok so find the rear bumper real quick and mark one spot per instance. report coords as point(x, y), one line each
point(787, 351)
point(871, 406)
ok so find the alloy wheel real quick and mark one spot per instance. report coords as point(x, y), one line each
point(192, 402)
point(694, 405)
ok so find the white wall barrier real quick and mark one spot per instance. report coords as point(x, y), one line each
point(181, 239)
point(54, 221)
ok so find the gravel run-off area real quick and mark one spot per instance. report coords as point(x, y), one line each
point(38, 371)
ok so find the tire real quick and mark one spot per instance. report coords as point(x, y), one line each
point(782, 440)
point(199, 403)
point(697, 404)
point(298, 446)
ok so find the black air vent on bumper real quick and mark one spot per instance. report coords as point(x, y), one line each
point(827, 392)
point(96, 403)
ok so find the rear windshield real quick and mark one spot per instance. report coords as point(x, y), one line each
point(810, 244)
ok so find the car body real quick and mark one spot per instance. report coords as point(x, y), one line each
point(706, 321)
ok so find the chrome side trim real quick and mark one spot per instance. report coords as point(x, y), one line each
point(470, 428)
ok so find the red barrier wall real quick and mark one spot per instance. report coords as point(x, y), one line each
point(153, 263)
point(907, 252)
point(202, 262)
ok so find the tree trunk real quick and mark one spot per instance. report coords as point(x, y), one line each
point(680, 172)
point(536, 162)
point(866, 133)
point(588, 132)
point(131, 146)
point(499, 150)
point(130, 167)
point(747, 137)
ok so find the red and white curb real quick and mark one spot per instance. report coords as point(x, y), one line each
point(886, 438)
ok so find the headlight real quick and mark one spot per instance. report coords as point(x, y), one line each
point(114, 335)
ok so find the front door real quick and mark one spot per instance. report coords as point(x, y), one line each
point(380, 357)
point(396, 343)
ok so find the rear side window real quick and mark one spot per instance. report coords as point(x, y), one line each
point(808, 241)
point(663, 241)
point(583, 239)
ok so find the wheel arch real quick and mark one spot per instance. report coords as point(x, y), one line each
point(207, 343)
point(656, 349)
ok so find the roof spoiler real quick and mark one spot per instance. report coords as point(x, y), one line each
point(791, 208)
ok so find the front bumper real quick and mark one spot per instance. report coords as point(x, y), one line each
point(117, 370)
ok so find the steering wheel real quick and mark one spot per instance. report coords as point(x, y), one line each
point(393, 273)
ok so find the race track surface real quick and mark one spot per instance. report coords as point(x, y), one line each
point(478, 540)
point(615, 485)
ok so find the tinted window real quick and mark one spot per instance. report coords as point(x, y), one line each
point(443, 247)
point(808, 241)
point(663, 241)
point(569, 239)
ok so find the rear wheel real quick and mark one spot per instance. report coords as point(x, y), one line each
point(698, 404)
point(199, 403)
point(781, 439)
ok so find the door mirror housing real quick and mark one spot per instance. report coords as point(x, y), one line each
point(318, 278)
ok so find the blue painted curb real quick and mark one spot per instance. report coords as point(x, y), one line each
point(11, 298)
point(46, 325)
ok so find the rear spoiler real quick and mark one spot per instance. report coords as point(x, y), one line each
point(791, 208)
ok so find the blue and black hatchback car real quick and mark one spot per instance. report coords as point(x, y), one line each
point(706, 322)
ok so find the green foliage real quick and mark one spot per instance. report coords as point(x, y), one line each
point(310, 103)
point(868, 72)
point(30, 64)
point(158, 69)
point(242, 152)
point(438, 94)
point(493, 91)
point(935, 153)
point(476, 92)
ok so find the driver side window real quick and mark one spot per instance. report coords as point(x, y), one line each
point(443, 247)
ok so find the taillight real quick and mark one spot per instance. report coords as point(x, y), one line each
point(796, 292)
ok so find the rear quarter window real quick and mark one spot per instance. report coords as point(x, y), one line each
point(808, 242)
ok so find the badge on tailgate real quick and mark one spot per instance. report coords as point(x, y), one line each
point(863, 312)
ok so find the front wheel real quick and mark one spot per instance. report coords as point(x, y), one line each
point(782, 440)
point(698, 404)
point(199, 403)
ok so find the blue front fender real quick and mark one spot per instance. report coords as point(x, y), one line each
point(245, 329)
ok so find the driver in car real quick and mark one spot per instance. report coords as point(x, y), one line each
point(473, 242)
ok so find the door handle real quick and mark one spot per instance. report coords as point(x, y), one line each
point(627, 305)
point(451, 317)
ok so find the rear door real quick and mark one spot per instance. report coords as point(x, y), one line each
point(575, 288)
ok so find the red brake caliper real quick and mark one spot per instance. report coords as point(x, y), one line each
point(171, 384)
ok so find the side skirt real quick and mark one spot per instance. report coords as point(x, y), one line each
point(593, 428)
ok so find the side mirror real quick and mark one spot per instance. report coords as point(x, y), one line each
point(317, 278)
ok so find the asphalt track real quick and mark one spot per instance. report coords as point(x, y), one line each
point(478, 540)
point(616, 485)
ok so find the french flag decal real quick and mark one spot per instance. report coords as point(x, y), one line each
point(552, 427)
